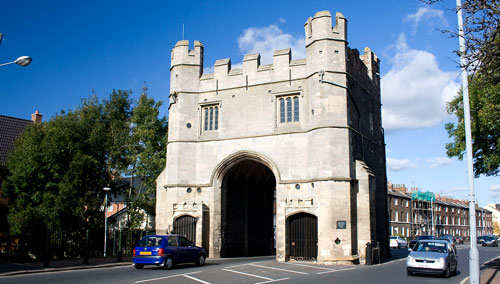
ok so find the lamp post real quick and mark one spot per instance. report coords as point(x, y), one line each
point(473, 252)
point(23, 61)
point(106, 189)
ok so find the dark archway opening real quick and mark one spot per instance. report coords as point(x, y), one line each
point(248, 210)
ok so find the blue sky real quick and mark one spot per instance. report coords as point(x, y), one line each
point(81, 46)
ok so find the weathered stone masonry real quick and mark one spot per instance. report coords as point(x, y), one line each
point(302, 135)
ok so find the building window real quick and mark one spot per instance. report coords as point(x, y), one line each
point(210, 118)
point(446, 209)
point(395, 202)
point(289, 109)
point(396, 216)
point(406, 203)
point(110, 208)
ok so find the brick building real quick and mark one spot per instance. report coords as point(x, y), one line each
point(444, 215)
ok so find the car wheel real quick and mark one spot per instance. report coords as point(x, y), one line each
point(138, 266)
point(201, 260)
point(409, 273)
point(446, 273)
point(169, 263)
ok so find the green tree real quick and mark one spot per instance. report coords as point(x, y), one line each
point(57, 169)
point(482, 53)
point(147, 148)
point(484, 98)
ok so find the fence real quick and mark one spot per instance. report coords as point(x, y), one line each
point(46, 246)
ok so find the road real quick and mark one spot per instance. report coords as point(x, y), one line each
point(258, 270)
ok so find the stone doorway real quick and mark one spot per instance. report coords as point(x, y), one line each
point(248, 210)
point(302, 237)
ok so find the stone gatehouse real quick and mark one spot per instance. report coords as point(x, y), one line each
point(286, 158)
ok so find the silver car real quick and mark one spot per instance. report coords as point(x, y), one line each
point(432, 257)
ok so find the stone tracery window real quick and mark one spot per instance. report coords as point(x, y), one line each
point(210, 117)
point(289, 109)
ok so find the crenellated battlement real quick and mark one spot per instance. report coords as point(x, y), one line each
point(182, 55)
point(326, 49)
point(320, 27)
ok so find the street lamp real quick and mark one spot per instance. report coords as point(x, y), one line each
point(23, 61)
point(106, 189)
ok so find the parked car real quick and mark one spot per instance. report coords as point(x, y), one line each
point(480, 240)
point(459, 240)
point(397, 242)
point(490, 241)
point(423, 237)
point(450, 240)
point(432, 257)
point(167, 251)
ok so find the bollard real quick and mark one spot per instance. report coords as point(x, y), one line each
point(47, 249)
point(368, 254)
point(119, 258)
point(86, 254)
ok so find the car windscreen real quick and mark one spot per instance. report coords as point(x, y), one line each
point(432, 247)
point(393, 238)
point(150, 242)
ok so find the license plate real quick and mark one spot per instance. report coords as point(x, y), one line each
point(145, 253)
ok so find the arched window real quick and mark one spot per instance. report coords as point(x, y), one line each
point(289, 109)
point(210, 118)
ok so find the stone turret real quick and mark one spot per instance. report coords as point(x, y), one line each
point(186, 64)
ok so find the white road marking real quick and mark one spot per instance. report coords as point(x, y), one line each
point(311, 266)
point(272, 281)
point(196, 279)
point(240, 265)
point(336, 270)
point(281, 269)
point(248, 274)
point(166, 277)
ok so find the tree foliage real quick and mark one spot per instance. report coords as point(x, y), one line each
point(482, 53)
point(484, 99)
point(58, 168)
point(147, 145)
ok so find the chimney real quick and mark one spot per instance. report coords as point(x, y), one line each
point(36, 117)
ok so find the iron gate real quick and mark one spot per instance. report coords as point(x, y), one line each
point(302, 236)
point(186, 225)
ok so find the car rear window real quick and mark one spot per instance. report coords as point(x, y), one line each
point(393, 238)
point(150, 242)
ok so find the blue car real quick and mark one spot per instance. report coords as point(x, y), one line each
point(167, 251)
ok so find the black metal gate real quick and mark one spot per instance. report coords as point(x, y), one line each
point(186, 225)
point(302, 236)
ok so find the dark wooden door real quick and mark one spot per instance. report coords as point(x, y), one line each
point(186, 225)
point(302, 236)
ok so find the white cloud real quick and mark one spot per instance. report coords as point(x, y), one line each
point(438, 162)
point(426, 15)
point(400, 165)
point(282, 20)
point(268, 39)
point(456, 189)
point(415, 90)
point(495, 191)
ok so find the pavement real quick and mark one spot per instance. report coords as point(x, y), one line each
point(490, 270)
point(8, 269)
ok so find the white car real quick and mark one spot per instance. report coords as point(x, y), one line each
point(398, 242)
point(432, 257)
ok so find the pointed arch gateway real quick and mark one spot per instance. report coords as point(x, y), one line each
point(247, 199)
